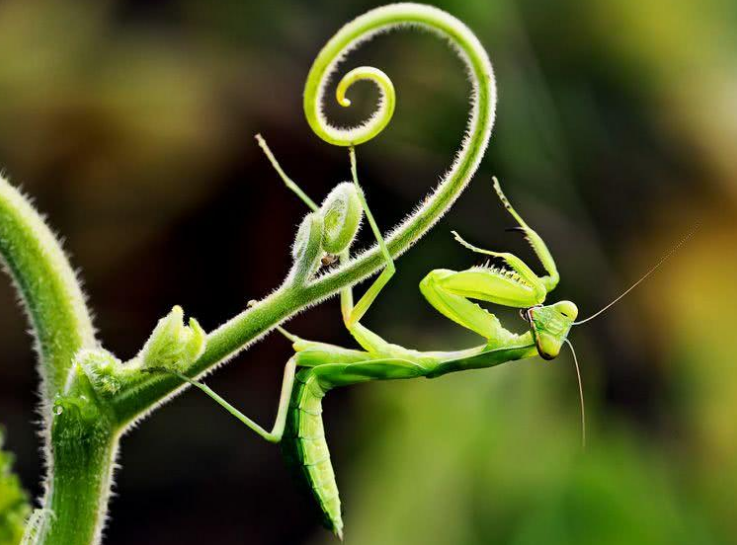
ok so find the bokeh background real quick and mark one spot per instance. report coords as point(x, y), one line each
point(131, 124)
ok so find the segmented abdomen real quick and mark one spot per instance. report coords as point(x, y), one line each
point(305, 449)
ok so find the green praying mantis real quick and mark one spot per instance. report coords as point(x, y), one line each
point(318, 367)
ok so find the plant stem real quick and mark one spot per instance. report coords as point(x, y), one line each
point(83, 431)
point(48, 287)
point(79, 463)
point(222, 344)
point(76, 502)
point(236, 334)
point(84, 442)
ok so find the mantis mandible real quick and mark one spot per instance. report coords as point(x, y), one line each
point(318, 367)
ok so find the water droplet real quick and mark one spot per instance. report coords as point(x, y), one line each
point(58, 409)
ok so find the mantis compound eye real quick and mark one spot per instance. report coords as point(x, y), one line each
point(567, 309)
point(341, 211)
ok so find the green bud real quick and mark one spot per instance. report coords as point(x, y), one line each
point(172, 343)
point(102, 369)
point(341, 211)
point(307, 248)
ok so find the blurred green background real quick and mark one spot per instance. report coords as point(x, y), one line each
point(131, 125)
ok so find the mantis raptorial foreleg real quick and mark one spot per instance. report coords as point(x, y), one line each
point(458, 307)
point(538, 245)
point(514, 285)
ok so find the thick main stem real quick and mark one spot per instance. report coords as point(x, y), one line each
point(84, 445)
point(80, 456)
point(79, 490)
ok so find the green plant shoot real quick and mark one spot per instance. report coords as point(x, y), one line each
point(90, 398)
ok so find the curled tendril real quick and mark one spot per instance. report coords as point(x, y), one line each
point(297, 292)
point(341, 211)
point(378, 120)
point(478, 130)
point(319, 77)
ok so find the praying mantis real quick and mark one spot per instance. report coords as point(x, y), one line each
point(317, 367)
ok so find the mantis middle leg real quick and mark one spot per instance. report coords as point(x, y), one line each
point(352, 314)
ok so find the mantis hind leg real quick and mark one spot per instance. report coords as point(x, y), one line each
point(352, 314)
point(276, 433)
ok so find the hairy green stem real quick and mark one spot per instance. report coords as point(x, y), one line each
point(83, 429)
point(47, 285)
point(84, 449)
point(84, 441)
point(78, 458)
point(236, 334)
point(79, 490)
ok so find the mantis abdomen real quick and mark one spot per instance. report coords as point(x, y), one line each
point(306, 450)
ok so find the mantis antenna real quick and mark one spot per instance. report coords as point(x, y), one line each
point(641, 280)
point(580, 394)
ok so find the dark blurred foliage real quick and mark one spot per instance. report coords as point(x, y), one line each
point(131, 124)
point(14, 503)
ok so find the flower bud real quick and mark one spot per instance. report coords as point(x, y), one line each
point(307, 248)
point(172, 343)
point(102, 369)
point(341, 211)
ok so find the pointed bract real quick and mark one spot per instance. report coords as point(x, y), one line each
point(173, 344)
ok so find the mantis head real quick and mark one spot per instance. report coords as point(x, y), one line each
point(550, 325)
